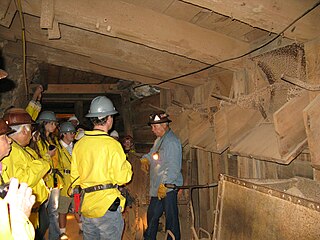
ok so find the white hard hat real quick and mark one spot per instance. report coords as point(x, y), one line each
point(73, 118)
point(101, 107)
point(114, 133)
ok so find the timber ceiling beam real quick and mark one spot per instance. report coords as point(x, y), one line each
point(74, 61)
point(143, 26)
point(82, 89)
point(112, 53)
point(272, 16)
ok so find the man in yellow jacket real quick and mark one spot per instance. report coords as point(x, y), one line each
point(99, 166)
point(23, 163)
point(15, 223)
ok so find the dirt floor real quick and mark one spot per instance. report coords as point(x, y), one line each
point(73, 231)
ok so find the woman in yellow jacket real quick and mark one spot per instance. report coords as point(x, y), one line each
point(47, 145)
point(15, 224)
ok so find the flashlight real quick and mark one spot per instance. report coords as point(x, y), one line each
point(155, 156)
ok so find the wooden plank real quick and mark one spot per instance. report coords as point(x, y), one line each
point(316, 174)
point(312, 55)
point(54, 33)
point(144, 26)
point(221, 130)
point(201, 133)
point(47, 14)
point(272, 16)
point(246, 120)
point(124, 59)
point(288, 123)
point(311, 117)
point(203, 174)
point(179, 123)
point(261, 143)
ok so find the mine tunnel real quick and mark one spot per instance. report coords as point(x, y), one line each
point(235, 83)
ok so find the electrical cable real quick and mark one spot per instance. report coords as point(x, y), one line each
point(242, 55)
point(23, 36)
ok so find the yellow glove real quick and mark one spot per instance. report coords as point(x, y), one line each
point(162, 191)
point(145, 165)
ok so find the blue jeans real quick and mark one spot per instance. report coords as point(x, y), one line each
point(108, 227)
point(54, 230)
point(155, 210)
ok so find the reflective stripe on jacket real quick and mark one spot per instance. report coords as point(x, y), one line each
point(99, 159)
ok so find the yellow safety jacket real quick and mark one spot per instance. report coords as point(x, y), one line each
point(25, 165)
point(22, 165)
point(40, 190)
point(14, 226)
point(99, 159)
point(65, 168)
point(43, 148)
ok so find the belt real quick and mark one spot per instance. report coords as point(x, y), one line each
point(67, 171)
point(100, 187)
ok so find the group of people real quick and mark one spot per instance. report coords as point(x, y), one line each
point(49, 167)
point(41, 159)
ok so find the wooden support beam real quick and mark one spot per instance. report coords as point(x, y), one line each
point(81, 88)
point(143, 26)
point(75, 61)
point(272, 16)
point(126, 59)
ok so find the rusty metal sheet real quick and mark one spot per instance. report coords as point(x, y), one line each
point(249, 210)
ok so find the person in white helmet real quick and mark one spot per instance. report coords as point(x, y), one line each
point(74, 120)
point(79, 131)
point(99, 166)
point(115, 135)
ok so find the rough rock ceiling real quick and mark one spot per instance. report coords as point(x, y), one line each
point(151, 41)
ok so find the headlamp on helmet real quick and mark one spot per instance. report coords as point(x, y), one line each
point(158, 117)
